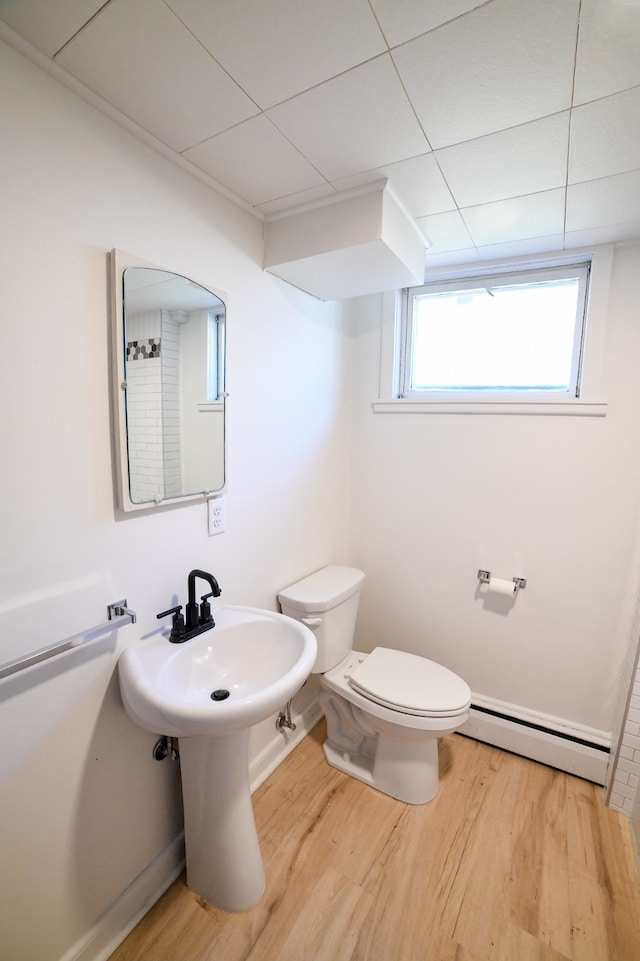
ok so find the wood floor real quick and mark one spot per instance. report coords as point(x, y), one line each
point(511, 862)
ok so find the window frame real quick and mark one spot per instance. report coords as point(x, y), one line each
point(215, 356)
point(212, 377)
point(503, 278)
point(589, 403)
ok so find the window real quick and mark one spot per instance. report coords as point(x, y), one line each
point(215, 356)
point(500, 336)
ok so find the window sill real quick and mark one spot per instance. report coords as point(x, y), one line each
point(210, 407)
point(562, 408)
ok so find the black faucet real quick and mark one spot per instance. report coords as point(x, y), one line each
point(198, 616)
point(194, 617)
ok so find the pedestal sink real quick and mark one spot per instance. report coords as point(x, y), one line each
point(208, 692)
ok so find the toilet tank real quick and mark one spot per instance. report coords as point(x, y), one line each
point(327, 602)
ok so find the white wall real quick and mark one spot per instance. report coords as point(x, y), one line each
point(83, 807)
point(553, 499)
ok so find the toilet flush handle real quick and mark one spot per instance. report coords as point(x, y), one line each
point(311, 621)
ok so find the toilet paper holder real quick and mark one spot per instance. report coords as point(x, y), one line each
point(485, 576)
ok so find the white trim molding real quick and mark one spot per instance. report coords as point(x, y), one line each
point(110, 930)
point(574, 408)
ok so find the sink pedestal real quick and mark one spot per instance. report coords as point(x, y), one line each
point(224, 863)
point(255, 661)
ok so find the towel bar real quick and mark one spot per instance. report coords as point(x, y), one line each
point(118, 614)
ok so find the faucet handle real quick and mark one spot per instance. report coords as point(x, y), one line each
point(205, 608)
point(172, 610)
point(178, 628)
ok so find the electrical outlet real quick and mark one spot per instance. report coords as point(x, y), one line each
point(216, 519)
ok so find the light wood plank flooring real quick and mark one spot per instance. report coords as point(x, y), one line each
point(512, 861)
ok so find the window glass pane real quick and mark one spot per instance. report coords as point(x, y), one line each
point(519, 336)
point(215, 356)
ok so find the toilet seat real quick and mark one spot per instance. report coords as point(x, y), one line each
point(410, 684)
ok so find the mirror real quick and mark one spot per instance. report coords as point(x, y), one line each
point(169, 366)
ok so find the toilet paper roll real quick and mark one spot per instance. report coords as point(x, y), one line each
point(497, 585)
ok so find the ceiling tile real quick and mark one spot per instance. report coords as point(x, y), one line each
point(522, 248)
point(469, 108)
point(354, 122)
point(602, 203)
point(512, 163)
point(299, 198)
point(277, 50)
point(608, 58)
point(418, 184)
point(401, 21)
point(605, 137)
point(144, 41)
point(445, 231)
point(47, 26)
point(359, 180)
point(520, 218)
point(435, 263)
point(614, 233)
point(499, 66)
point(255, 161)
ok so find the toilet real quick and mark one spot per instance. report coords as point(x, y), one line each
point(385, 710)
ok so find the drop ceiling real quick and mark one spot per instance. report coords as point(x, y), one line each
point(504, 127)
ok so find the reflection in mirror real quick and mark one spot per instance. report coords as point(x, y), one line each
point(172, 380)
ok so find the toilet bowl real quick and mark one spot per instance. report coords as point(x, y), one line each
point(385, 710)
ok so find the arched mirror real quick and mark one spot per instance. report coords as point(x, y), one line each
point(169, 389)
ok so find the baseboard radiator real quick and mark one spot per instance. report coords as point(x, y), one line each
point(573, 748)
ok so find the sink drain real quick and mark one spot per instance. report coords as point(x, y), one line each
point(220, 695)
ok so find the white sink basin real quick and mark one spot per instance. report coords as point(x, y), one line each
point(254, 661)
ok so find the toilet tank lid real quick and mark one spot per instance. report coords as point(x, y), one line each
point(322, 590)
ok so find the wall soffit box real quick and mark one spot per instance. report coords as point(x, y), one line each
point(355, 243)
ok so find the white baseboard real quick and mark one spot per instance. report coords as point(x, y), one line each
point(110, 930)
point(554, 741)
